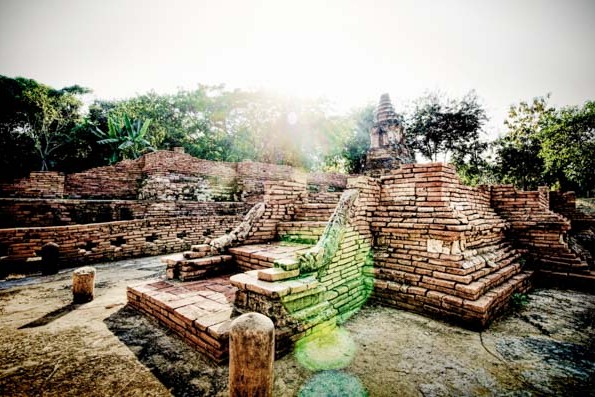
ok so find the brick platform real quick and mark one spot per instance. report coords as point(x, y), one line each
point(199, 311)
point(262, 256)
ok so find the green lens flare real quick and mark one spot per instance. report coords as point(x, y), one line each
point(333, 384)
point(325, 350)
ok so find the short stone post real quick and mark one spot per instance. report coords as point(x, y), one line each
point(251, 356)
point(83, 284)
point(50, 255)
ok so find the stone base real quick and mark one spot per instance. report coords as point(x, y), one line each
point(475, 314)
point(199, 312)
point(381, 161)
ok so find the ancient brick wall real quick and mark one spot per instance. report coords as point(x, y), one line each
point(38, 184)
point(179, 176)
point(176, 187)
point(61, 212)
point(114, 240)
point(564, 203)
point(440, 248)
point(167, 175)
point(281, 199)
point(327, 182)
point(119, 181)
point(536, 228)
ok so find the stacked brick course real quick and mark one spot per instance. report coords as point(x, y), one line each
point(119, 181)
point(46, 184)
point(62, 212)
point(114, 240)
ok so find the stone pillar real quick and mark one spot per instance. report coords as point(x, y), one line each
point(251, 355)
point(83, 284)
point(50, 254)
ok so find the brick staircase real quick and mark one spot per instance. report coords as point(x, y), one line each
point(196, 299)
point(537, 229)
point(310, 219)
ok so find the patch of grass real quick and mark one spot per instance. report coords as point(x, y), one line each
point(518, 301)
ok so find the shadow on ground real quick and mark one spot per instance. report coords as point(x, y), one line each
point(51, 316)
point(180, 368)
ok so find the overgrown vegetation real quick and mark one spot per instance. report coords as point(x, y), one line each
point(518, 301)
point(46, 128)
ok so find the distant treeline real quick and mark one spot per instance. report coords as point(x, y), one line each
point(46, 128)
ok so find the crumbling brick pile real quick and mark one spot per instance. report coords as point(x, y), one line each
point(440, 248)
point(175, 187)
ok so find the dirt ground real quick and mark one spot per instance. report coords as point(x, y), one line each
point(50, 347)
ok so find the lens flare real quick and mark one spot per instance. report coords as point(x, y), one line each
point(325, 350)
point(331, 384)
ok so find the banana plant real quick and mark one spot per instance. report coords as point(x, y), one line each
point(127, 138)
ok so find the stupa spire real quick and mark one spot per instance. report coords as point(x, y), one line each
point(388, 149)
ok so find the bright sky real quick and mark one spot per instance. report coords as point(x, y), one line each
point(349, 51)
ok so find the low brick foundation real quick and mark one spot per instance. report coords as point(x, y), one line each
point(113, 240)
point(198, 311)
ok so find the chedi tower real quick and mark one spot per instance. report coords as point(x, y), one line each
point(388, 149)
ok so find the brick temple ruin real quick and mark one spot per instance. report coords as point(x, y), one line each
point(306, 250)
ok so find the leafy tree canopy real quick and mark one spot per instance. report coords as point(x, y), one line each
point(38, 120)
point(440, 127)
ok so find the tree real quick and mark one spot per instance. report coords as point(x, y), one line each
point(441, 127)
point(518, 159)
point(358, 142)
point(128, 139)
point(38, 117)
point(567, 147)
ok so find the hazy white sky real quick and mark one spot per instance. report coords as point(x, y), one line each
point(349, 51)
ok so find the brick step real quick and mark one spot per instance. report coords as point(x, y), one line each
point(262, 256)
point(475, 312)
point(562, 264)
point(178, 267)
point(301, 231)
point(465, 266)
point(277, 274)
point(315, 211)
point(562, 254)
point(472, 290)
point(584, 279)
point(194, 269)
point(324, 197)
point(198, 251)
point(199, 312)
